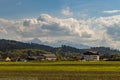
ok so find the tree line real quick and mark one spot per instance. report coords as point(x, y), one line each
point(14, 49)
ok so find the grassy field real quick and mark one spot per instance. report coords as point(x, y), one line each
point(64, 70)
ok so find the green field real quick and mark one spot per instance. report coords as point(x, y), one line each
point(64, 70)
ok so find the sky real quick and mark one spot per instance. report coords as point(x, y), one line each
point(89, 22)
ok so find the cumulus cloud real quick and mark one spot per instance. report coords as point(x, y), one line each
point(66, 12)
point(111, 11)
point(3, 31)
point(102, 31)
point(111, 25)
point(47, 25)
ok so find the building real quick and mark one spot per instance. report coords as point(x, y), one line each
point(50, 57)
point(7, 59)
point(42, 57)
point(35, 58)
point(91, 56)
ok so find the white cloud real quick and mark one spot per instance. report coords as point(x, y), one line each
point(111, 25)
point(111, 11)
point(102, 31)
point(66, 12)
point(3, 31)
point(46, 25)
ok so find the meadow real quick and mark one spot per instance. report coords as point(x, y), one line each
point(60, 70)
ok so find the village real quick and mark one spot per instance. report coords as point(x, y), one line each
point(87, 56)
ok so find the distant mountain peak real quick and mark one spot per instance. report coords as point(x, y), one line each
point(59, 43)
point(35, 40)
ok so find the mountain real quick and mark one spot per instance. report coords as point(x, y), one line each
point(35, 40)
point(59, 43)
point(105, 50)
point(6, 45)
point(69, 51)
point(67, 43)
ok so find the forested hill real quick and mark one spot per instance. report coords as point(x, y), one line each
point(105, 50)
point(9, 45)
point(67, 50)
point(6, 45)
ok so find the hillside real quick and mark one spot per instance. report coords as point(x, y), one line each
point(105, 50)
point(68, 51)
point(16, 48)
point(12, 45)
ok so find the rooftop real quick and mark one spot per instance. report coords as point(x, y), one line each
point(91, 53)
point(49, 55)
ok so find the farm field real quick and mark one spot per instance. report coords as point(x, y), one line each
point(63, 70)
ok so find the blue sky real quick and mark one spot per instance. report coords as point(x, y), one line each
point(17, 9)
point(89, 22)
point(27, 8)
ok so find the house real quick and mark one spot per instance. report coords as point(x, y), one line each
point(91, 56)
point(7, 59)
point(36, 58)
point(50, 57)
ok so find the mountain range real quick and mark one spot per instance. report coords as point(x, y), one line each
point(14, 48)
point(59, 43)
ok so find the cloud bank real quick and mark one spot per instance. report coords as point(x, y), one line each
point(102, 31)
point(111, 11)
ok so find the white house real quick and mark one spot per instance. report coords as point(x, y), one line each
point(91, 56)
